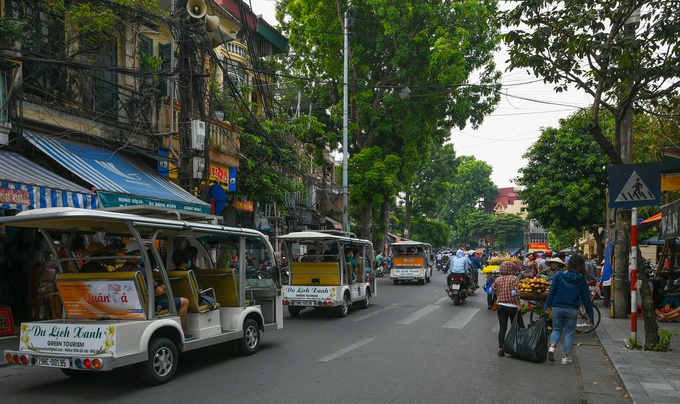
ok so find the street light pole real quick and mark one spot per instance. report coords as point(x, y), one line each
point(345, 112)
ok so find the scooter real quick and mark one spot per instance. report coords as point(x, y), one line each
point(458, 291)
point(380, 271)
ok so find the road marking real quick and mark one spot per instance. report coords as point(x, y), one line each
point(418, 314)
point(374, 312)
point(461, 319)
point(345, 350)
point(443, 300)
point(496, 328)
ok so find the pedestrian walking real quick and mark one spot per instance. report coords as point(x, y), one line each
point(567, 291)
point(506, 288)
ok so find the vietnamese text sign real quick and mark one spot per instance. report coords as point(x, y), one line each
point(50, 337)
point(670, 220)
point(100, 299)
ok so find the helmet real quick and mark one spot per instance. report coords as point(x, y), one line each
point(133, 246)
point(549, 253)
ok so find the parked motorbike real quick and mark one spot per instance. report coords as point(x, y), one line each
point(458, 291)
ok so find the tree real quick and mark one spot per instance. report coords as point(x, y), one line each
point(564, 181)
point(599, 48)
point(500, 228)
point(470, 187)
point(432, 191)
point(410, 68)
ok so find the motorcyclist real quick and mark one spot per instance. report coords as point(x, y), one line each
point(459, 265)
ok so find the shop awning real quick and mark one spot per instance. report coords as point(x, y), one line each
point(336, 225)
point(649, 222)
point(118, 180)
point(25, 185)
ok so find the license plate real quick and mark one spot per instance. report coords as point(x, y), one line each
point(53, 362)
point(408, 278)
point(454, 286)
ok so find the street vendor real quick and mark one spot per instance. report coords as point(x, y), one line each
point(555, 265)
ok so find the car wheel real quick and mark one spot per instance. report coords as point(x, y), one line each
point(162, 362)
point(251, 338)
point(343, 310)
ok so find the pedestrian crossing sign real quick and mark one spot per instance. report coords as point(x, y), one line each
point(632, 185)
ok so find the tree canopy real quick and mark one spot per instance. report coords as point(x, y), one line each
point(412, 65)
point(565, 179)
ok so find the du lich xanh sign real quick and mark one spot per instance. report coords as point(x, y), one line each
point(670, 220)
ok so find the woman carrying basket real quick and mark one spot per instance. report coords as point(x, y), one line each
point(506, 288)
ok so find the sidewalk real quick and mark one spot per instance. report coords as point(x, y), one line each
point(648, 377)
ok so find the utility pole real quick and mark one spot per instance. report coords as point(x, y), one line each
point(621, 287)
point(345, 113)
point(187, 54)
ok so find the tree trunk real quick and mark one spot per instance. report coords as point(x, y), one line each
point(407, 219)
point(367, 222)
point(598, 235)
point(621, 283)
point(648, 307)
point(385, 210)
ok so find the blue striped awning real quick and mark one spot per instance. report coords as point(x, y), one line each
point(117, 179)
point(25, 185)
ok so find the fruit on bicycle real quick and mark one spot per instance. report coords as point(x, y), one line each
point(534, 285)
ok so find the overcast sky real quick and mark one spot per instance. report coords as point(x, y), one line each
point(515, 125)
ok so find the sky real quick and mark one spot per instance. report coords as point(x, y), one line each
point(515, 125)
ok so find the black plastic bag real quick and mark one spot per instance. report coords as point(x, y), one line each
point(530, 343)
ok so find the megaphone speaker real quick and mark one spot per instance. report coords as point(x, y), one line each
point(196, 8)
point(211, 22)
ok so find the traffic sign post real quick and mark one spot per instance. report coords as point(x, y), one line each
point(633, 185)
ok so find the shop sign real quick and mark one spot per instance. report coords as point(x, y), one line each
point(223, 175)
point(111, 200)
point(670, 221)
point(243, 205)
point(538, 246)
point(68, 338)
point(15, 197)
point(96, 299)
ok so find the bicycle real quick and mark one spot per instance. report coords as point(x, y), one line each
point(582, 326)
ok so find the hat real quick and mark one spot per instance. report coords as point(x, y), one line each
point(558, 260)
point(97, 248)
point(133, 246)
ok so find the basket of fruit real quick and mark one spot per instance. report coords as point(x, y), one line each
point(536, 288)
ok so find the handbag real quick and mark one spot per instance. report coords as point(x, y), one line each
point(530, 343)
point(494, 307)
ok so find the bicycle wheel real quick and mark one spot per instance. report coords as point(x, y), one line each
point(582, 320)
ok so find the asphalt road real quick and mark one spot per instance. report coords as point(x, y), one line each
point(411, 346)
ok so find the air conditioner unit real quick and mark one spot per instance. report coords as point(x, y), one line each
point(198, 167)
point(197, 135)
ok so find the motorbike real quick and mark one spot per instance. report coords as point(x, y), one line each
point(458, 291)
point(439, 266)
point(285, 275)
point(380, 271)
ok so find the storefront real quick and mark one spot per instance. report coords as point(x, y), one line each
point(24, 186)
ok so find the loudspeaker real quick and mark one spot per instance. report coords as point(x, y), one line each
point(196, 8)
point(211, 22)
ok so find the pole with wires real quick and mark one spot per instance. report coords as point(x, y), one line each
point(345, 112)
